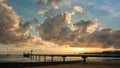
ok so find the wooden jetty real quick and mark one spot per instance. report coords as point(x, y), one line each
point(84, 56)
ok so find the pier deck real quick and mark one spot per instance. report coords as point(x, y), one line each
point(84, 56)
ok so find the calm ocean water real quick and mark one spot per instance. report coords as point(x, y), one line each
point(20, 58)
point(14, 58)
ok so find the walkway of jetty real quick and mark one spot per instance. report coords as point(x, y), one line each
point(84, 56)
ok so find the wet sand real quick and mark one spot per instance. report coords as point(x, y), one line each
point(81, 65)
point(74, 64)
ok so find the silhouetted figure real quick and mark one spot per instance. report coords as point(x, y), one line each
point(31, 53)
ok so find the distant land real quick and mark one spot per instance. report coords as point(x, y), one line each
point(104, 52)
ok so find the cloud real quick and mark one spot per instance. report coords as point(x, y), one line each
point(107, 37)
point(86, 26)
point(1, 0)
point(58, 29)
point(78, 9)
point(9, 22)
point(86, 34)
point(53, 25)
point(12, 30)
point(53, 3)
point(55, 29)
point(73, 38)
point(67, 3)
point(51, 7)
point(43, 12)
point(103, 38)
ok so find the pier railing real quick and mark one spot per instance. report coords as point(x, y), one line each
point(84, 56)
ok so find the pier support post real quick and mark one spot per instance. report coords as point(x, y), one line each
point(31, 56)
point(36, 57)
point(39, 58)
point(44, 58)
point(63, 58)
point(51, 58)
point(84, 59)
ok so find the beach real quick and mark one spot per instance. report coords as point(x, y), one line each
point(81, 65)
point(74, 64)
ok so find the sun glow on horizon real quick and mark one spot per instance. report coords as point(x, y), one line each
point(95, 49)
point(81, 50)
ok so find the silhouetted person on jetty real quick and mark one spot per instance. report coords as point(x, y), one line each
point(26, 55)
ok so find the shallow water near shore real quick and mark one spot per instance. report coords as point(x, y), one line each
point(14, 58)
point(20, 58)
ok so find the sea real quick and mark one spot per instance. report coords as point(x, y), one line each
point(19, 58)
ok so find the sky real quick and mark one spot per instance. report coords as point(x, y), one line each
point(68, 26)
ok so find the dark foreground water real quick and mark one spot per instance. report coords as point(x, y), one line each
point(20, 58)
